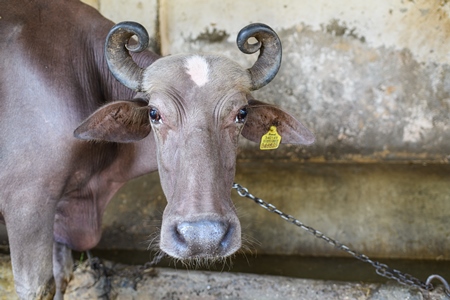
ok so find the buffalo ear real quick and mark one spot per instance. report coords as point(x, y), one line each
point(261, 116)
point(121, 122)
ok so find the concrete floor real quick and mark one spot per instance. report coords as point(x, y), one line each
point(114, 281)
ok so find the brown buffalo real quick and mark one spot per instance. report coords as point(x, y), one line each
point(181, 115)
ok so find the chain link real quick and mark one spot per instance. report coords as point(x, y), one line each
point(381, 269)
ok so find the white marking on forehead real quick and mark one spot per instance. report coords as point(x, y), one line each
point(197, 67)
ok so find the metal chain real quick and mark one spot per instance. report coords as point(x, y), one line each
point(381, 269)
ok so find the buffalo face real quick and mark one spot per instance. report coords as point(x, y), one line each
point(194, 108)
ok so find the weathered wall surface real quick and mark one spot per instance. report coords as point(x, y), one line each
point(370, 78)
point(144, 12)
point(382, 210)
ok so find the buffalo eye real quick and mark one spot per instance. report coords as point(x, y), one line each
point(242, 114)
point(155, 117)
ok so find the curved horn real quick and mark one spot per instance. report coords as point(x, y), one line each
point(118, 58)
point(269, 46)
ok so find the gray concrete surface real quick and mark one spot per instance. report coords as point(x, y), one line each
point(112, 281)
point(390, 211)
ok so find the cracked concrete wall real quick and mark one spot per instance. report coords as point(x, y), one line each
point(370, 78)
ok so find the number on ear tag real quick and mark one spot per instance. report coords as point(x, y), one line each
point(271, 140)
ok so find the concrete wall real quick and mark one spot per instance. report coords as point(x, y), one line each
point(370, 78)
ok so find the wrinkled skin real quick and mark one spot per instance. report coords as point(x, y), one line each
point(54, 187)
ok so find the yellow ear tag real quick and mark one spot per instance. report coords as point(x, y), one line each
point(271, 140)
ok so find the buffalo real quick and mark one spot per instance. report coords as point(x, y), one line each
point(79, 118)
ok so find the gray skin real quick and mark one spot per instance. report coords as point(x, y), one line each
point(55, 185)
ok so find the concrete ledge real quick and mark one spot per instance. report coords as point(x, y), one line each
point(112, 281)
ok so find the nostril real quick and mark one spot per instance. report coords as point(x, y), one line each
point(226, 240)
point(179, 234)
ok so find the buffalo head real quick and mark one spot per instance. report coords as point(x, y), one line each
point(196, 106)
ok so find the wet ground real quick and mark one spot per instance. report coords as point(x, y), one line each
point(108, 280)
